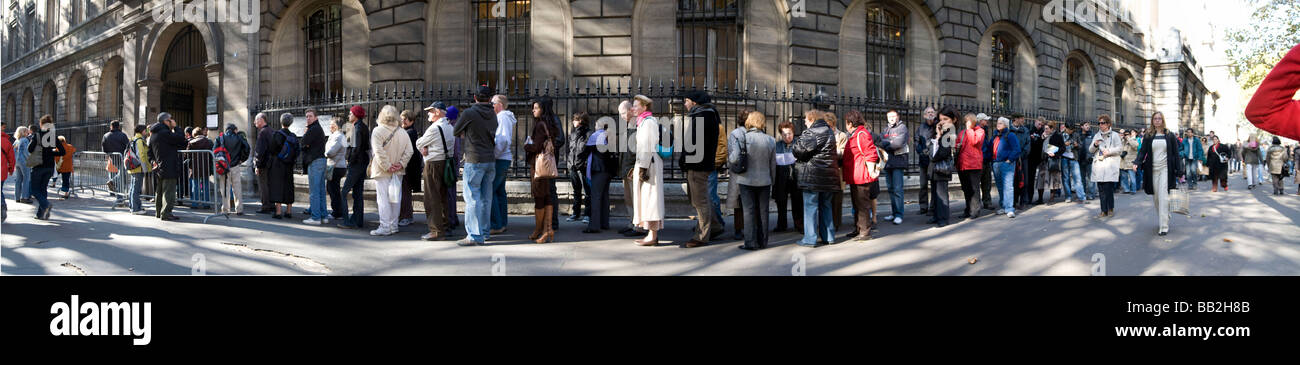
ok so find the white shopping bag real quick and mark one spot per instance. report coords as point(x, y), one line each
point(1180, 201)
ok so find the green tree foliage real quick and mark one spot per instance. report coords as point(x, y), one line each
point(1273, 29)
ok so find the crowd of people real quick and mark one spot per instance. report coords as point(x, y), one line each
point(806, 174)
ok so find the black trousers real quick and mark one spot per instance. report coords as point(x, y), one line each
point(1019, 187)
point(264, 190)
point(1107, 196)
point(355, 184)
point(599, 197)
point(753, 200)
point(923, 197)
point(785, 190)
point(332, 187)
point(578, 178)
point(970, 187)
point(986, 185)
point(939, 197)
point(1031, 178)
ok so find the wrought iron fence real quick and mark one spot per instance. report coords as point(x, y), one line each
point(602, 99)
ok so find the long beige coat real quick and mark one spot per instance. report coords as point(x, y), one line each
point(398, 150)
point(648, 207)
point(1106, 156)
point(1130, 146)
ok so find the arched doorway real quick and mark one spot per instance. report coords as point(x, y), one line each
point(184, 80)
point(29, 107)
point(50, 100)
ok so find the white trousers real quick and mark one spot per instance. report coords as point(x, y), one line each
point(230, 187)
point(1252, 176)
point(388, 208)
point(1160, 183)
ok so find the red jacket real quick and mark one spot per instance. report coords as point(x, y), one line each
point(1274, 108)
point(972, 149)
point(858, 151)
point(7, 167)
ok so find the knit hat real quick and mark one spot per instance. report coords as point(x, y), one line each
point(231, 127)
point(698, 96)
point(359, 112)
point(452, 113)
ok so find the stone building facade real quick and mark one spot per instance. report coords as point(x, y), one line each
point(95, 60)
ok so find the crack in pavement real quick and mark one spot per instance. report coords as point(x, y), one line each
point(74, 267)
point(305, 263)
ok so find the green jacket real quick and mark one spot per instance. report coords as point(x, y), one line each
point(142, 150)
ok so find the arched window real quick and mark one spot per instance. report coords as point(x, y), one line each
point(885, 51)
point(709, 40)
point(324, 52)
point(1004, 70)
point(502, 37)
point(76, 98)
point(1074, 91)
point(1119, 106)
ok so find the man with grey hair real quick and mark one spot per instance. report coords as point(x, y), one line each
point(504, 138)
point(627, 161)
point(261, 161)
point(165, 145)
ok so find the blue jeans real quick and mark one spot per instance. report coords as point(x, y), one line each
point(137, 187)
point(1005, 173)
point(1126, 180)
point(23, 178)
point(1192, 172)
point(1070, 178)
point(498, 201)
point(713, 198)
point(479, 178)
point(38, 187)
point(1089, 186)
point(200, 190)
point(817, 220)
point(895, 191)
point(316, 180)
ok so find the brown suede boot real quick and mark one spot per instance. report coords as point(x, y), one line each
point(548, 233)
point(538, 216)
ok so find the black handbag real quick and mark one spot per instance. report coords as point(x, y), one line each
point(742, 161)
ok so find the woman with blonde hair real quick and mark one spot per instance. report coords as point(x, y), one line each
point(648, 177)
point(1158, 159)
point(391, 154)
point(754, 179)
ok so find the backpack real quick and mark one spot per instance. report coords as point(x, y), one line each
point(239, 158)
point(132, 159)
point(219, 157)
point(288, 152)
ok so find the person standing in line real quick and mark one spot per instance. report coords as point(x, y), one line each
point(199, 168)
point(1073, 183)
point(1158, 159)
point(733, 192)
point(6, 169)
point(1085, 160)
point(262, 163)
point(165, 144)
point(414, 173)
point(336, 160)
point(924, 134)
point(1004, 147)
point(895, 142)
point(1034, 150)
point(230, 185)
point(786, 187)
point(282, 153)
point(1106, 148)
point(627, 165)
point(139, 149)
point(648, 180)
point(941, 164)
point(435, 146)
point(358, 157)
point(545, 127)
point(23, 173)
point(861, 171)
point(816, 170)
point(702, 120)
point(970, 163)
point(315, 165)
point(478, 127)
point(578, 177)
point(1022, 184)
point(1049, 169)
point(115, 141)
point(504, 152)
point(985, 186)
point(755, 182)
point(392, 153)
point(602, 164)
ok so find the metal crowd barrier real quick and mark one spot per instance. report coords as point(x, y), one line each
point(196, 188)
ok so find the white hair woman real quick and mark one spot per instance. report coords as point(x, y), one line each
point(648, 174)
point(391, 154)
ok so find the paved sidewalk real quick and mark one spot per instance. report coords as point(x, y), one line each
point(1235, 233)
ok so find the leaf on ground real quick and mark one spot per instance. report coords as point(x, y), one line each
point(1228, 240)
point(972, 260)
